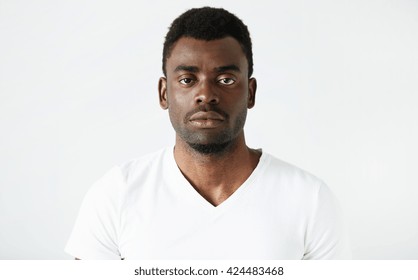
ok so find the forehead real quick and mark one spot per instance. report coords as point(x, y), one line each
point(207, 54)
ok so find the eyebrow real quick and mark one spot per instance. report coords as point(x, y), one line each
point(195, 69)
point(186, 68)
point(231, 67)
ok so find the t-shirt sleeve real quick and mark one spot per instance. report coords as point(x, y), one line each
point(95, 234)
point(326, 236)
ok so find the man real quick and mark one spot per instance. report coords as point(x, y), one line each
point(211, 196)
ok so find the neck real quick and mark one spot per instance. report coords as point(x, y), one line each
point(216, 176)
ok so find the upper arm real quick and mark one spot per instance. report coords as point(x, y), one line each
point(96, 231)
point(326, 235)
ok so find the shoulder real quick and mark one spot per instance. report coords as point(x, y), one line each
point(290, 177)
point(114, 183)
point(145, 165)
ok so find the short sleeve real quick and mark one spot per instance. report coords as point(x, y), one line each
point(326, 236)
point(95, 233)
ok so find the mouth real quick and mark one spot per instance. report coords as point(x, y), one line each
point(206, 119)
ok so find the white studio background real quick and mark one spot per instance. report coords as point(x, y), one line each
point(338, 84)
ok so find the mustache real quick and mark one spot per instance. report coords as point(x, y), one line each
point(206, 108)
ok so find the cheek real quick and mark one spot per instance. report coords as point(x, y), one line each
point(239, 104)
point(175, 110)
point(177, 96)
point(178, 103)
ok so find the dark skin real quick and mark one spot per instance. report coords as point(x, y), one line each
point(210, 77)
point(203, 76)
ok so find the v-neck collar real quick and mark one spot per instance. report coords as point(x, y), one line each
point(189, 194)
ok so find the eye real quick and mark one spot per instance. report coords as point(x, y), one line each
point(186, 81)
point(226, 81)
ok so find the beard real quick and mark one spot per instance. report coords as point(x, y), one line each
point(210, 149)
point(209, 142)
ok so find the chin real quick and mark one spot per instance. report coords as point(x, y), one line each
point(210, 148)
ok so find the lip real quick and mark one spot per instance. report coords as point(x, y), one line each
point(203, 116)
point(206, 119)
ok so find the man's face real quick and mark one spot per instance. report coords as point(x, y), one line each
point(207, 91)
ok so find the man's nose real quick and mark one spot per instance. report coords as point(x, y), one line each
point(207, 93)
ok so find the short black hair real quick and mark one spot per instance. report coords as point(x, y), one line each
point(208, 24)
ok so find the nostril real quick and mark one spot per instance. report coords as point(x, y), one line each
point(214, 100)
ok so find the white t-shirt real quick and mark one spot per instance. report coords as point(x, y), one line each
point(146, 209)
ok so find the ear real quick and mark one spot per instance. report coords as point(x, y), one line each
point(162, 93)
point(252, 88)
